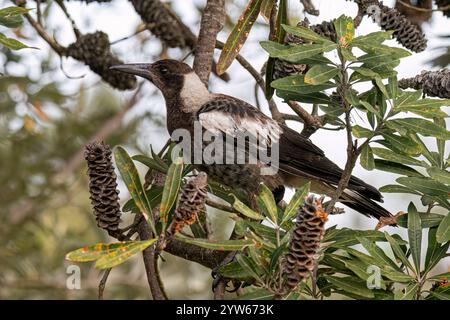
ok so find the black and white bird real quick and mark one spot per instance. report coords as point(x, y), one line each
point(188, 100)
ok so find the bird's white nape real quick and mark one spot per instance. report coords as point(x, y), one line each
point(194, 93)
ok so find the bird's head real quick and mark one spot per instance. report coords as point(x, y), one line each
point(168, 75)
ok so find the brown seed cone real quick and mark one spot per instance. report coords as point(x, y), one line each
point(415, 16)
point(160, 22)
point(325, 29)
point(443, 3)
point(407, 34)
point(190, 202)
point(284, 68)
point(309, 230)
point(94, 50)
point(433, 83)
point(103, 186)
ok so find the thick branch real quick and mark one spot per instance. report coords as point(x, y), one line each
point(212, 22)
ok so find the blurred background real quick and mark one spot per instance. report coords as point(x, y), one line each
point(51, 107)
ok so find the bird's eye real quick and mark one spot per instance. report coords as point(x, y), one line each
point(164, 70)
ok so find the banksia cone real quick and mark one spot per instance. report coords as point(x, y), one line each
point(407, 34)
point(190, 202)
point(414, 15)
point(283, 68)
point(94, 50)
point(433, 83)
point(103, 186)
point(309, 230)
point(443, 3)
point(325, 29)
point(160, 22)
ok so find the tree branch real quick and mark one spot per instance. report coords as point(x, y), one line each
point(213, 19)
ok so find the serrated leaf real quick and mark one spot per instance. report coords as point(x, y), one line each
point(425, 185)
point(171, 188)
point(267, 203)
point(121, 255)
point(319, 74)
point(397, 168)
point(238, 35)
point(221, 245)
point(415, 235)
point(295, 53)
point(443, 231)
point(245, 210)
point(296, 201)
point(130, 176)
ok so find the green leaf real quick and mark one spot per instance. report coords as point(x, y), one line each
point(423, 104)
point(10, 17)
point(382, 87)
point(257, 294)
point(266, 8)
point(398, 252)
point(246, 211)
point(376, 252)
point(121, 255)
point(428, 220)
point(415, 235)
point(435, 252)
point(130, 177)
point(317, 97)
point(370, 108)
point(319, 74)
point(110, 254)
point(373, 38)
point(410, 292)
point(305, 33)
point(366, 160)
point(403, 144)
point(350, 285)
point(238, 35)
point(443, 231)
point(234, 270)
point(267, 203)
point(366, 72)
point(395, 157)
point(297, 85)
point(296, 201)
point(171, 188)
point(406, 97)
point(345, 30)
point(152, 163)
point(221, 245)
point(397, 168)
point(361, 132)
point(423, 127)
point(437, 174)
point(424, 185)
point(295, 53)
point(249, 266)
point(395, 188)
point(393, 88)
point(11, 43)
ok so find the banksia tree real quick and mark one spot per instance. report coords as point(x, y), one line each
point(305, 241)
point(94, 50)
point(433, 83)
point(103, 187)
point(190, 202)
point(160, 22)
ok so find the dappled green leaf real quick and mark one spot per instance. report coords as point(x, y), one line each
point(245, 210)
point(295, 54)
point(397, 168)
point(171, 188)
point(319, 74)
point(443, 231)
point(424, 185)
point(221, 245)
point(415, 235)
point(295, 203)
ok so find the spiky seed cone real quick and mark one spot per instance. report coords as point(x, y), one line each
point(160, 22)
point(190, 202)
point(433, 83)
point(284, 68)
point(443, 3)
point(94, 50)
point(407, 34)
point(308, 233)
point(103, 186)
point(325, 29)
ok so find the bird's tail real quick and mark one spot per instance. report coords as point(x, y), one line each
point(363, 204)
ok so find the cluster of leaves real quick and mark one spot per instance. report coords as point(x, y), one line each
point(11, 17)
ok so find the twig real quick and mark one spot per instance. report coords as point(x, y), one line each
point(408, 5)
point(309, 7)
point(212, 22)
point(75, 29)
point(143, 28)
point(311, 123)
point(102, 284)
point(219, 289)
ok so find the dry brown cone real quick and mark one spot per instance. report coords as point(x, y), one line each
point(325, 29)
point(415, 16)
point(94, 50)
point(433, 83)
point(308, 233)
point(160, 22)
point(283, 68)
point(190, 202)
point(103, 187)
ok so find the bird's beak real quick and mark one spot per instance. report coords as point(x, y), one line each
point(137, 69)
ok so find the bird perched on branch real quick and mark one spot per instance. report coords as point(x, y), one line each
point(189, 102)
